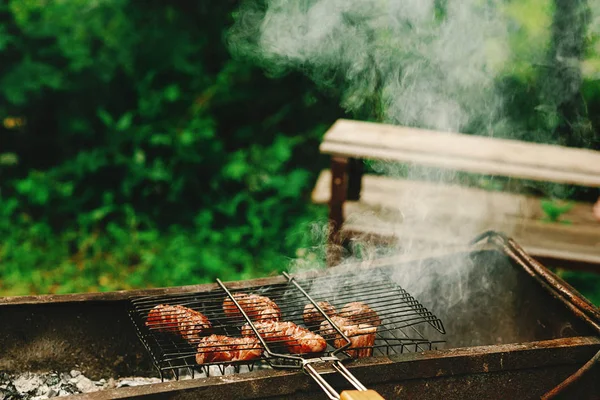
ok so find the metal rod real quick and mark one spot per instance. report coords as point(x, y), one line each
point(260, 338)
point(314, 303)
point(572, 379)
point(339, 367)
point(550, 282)
point(329, 390)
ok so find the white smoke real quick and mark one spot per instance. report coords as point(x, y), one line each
point(422, 63)
point(420, 68)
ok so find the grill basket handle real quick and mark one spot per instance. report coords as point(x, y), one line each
point(361, 392)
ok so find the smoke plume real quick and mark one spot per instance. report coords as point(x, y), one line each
point(431, 64)
point(413, 62)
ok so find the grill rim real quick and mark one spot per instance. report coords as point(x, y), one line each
point(558, 344)
point(493, 240)
point(550, 282)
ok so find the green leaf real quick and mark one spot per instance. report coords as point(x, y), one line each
point(124, 122)
point(294, 183)
point(186, 138)
point(237, 167)
point(172, 93)
point(105, 117)
point(554, 209)
point(159, 172)
point(160, 139)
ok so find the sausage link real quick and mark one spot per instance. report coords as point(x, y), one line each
point(295, 339)
point(184, 321)
point(219, 348)
point(258, 308)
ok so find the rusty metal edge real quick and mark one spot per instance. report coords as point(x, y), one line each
point(571, 380)
point(552, 283)
point(489, 360)
point(128, 294)
point(559, 289)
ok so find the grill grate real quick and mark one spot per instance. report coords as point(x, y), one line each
point(403, 321)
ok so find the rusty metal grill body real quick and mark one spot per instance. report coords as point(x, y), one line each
point(401, 330)
point(545, 337)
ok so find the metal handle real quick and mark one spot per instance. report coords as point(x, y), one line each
point(331, 392)
point(554, 393)
point(315, 304)
point(582, 307)
point(339, 367)
point(257, 333)
point(559, 289)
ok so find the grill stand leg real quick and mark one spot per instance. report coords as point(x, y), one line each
point(339, 191)
point(355, 174)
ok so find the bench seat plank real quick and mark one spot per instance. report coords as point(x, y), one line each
point(391, 209)
point(382, 192)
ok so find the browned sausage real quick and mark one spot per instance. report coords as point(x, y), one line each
point(217, 348)
point(360, 313)
point(184, 321)
point(312, 316)
point(361, 336)
point(296, 339)
point(258, 308)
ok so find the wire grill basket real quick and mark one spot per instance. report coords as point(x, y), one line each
point(396, 322)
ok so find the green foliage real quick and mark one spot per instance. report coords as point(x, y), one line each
point(586, 283)
point(135, 152)
point(142, 154)
point(554, 209)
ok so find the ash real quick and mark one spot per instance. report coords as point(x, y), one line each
point(32, 386)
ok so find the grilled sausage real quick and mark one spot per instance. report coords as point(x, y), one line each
point(218, 348)
point(361, 336)
point(312, 316)
point(258, 308)
point(360, 313)
point(295, 339)
point(184, 321)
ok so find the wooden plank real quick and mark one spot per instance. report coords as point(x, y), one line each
point(469, 153)
point(450, 215)
point(539, 239)
point(381, 193)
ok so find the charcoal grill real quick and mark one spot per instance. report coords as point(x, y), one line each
point(400, 331)
point(554, 333)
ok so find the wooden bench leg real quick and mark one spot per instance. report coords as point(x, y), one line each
point(355, 174)
point(339, 191)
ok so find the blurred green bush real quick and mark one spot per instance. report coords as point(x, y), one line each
point(136, 152)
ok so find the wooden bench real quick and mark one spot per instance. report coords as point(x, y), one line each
point(405, 210)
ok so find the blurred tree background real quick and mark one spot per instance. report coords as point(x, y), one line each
point(135, 152)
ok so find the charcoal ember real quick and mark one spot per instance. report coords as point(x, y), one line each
point(52, 379)
point(136, 381)
point(28, 383)
point(9, 392)
point(30, 386)
point(83, 384)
